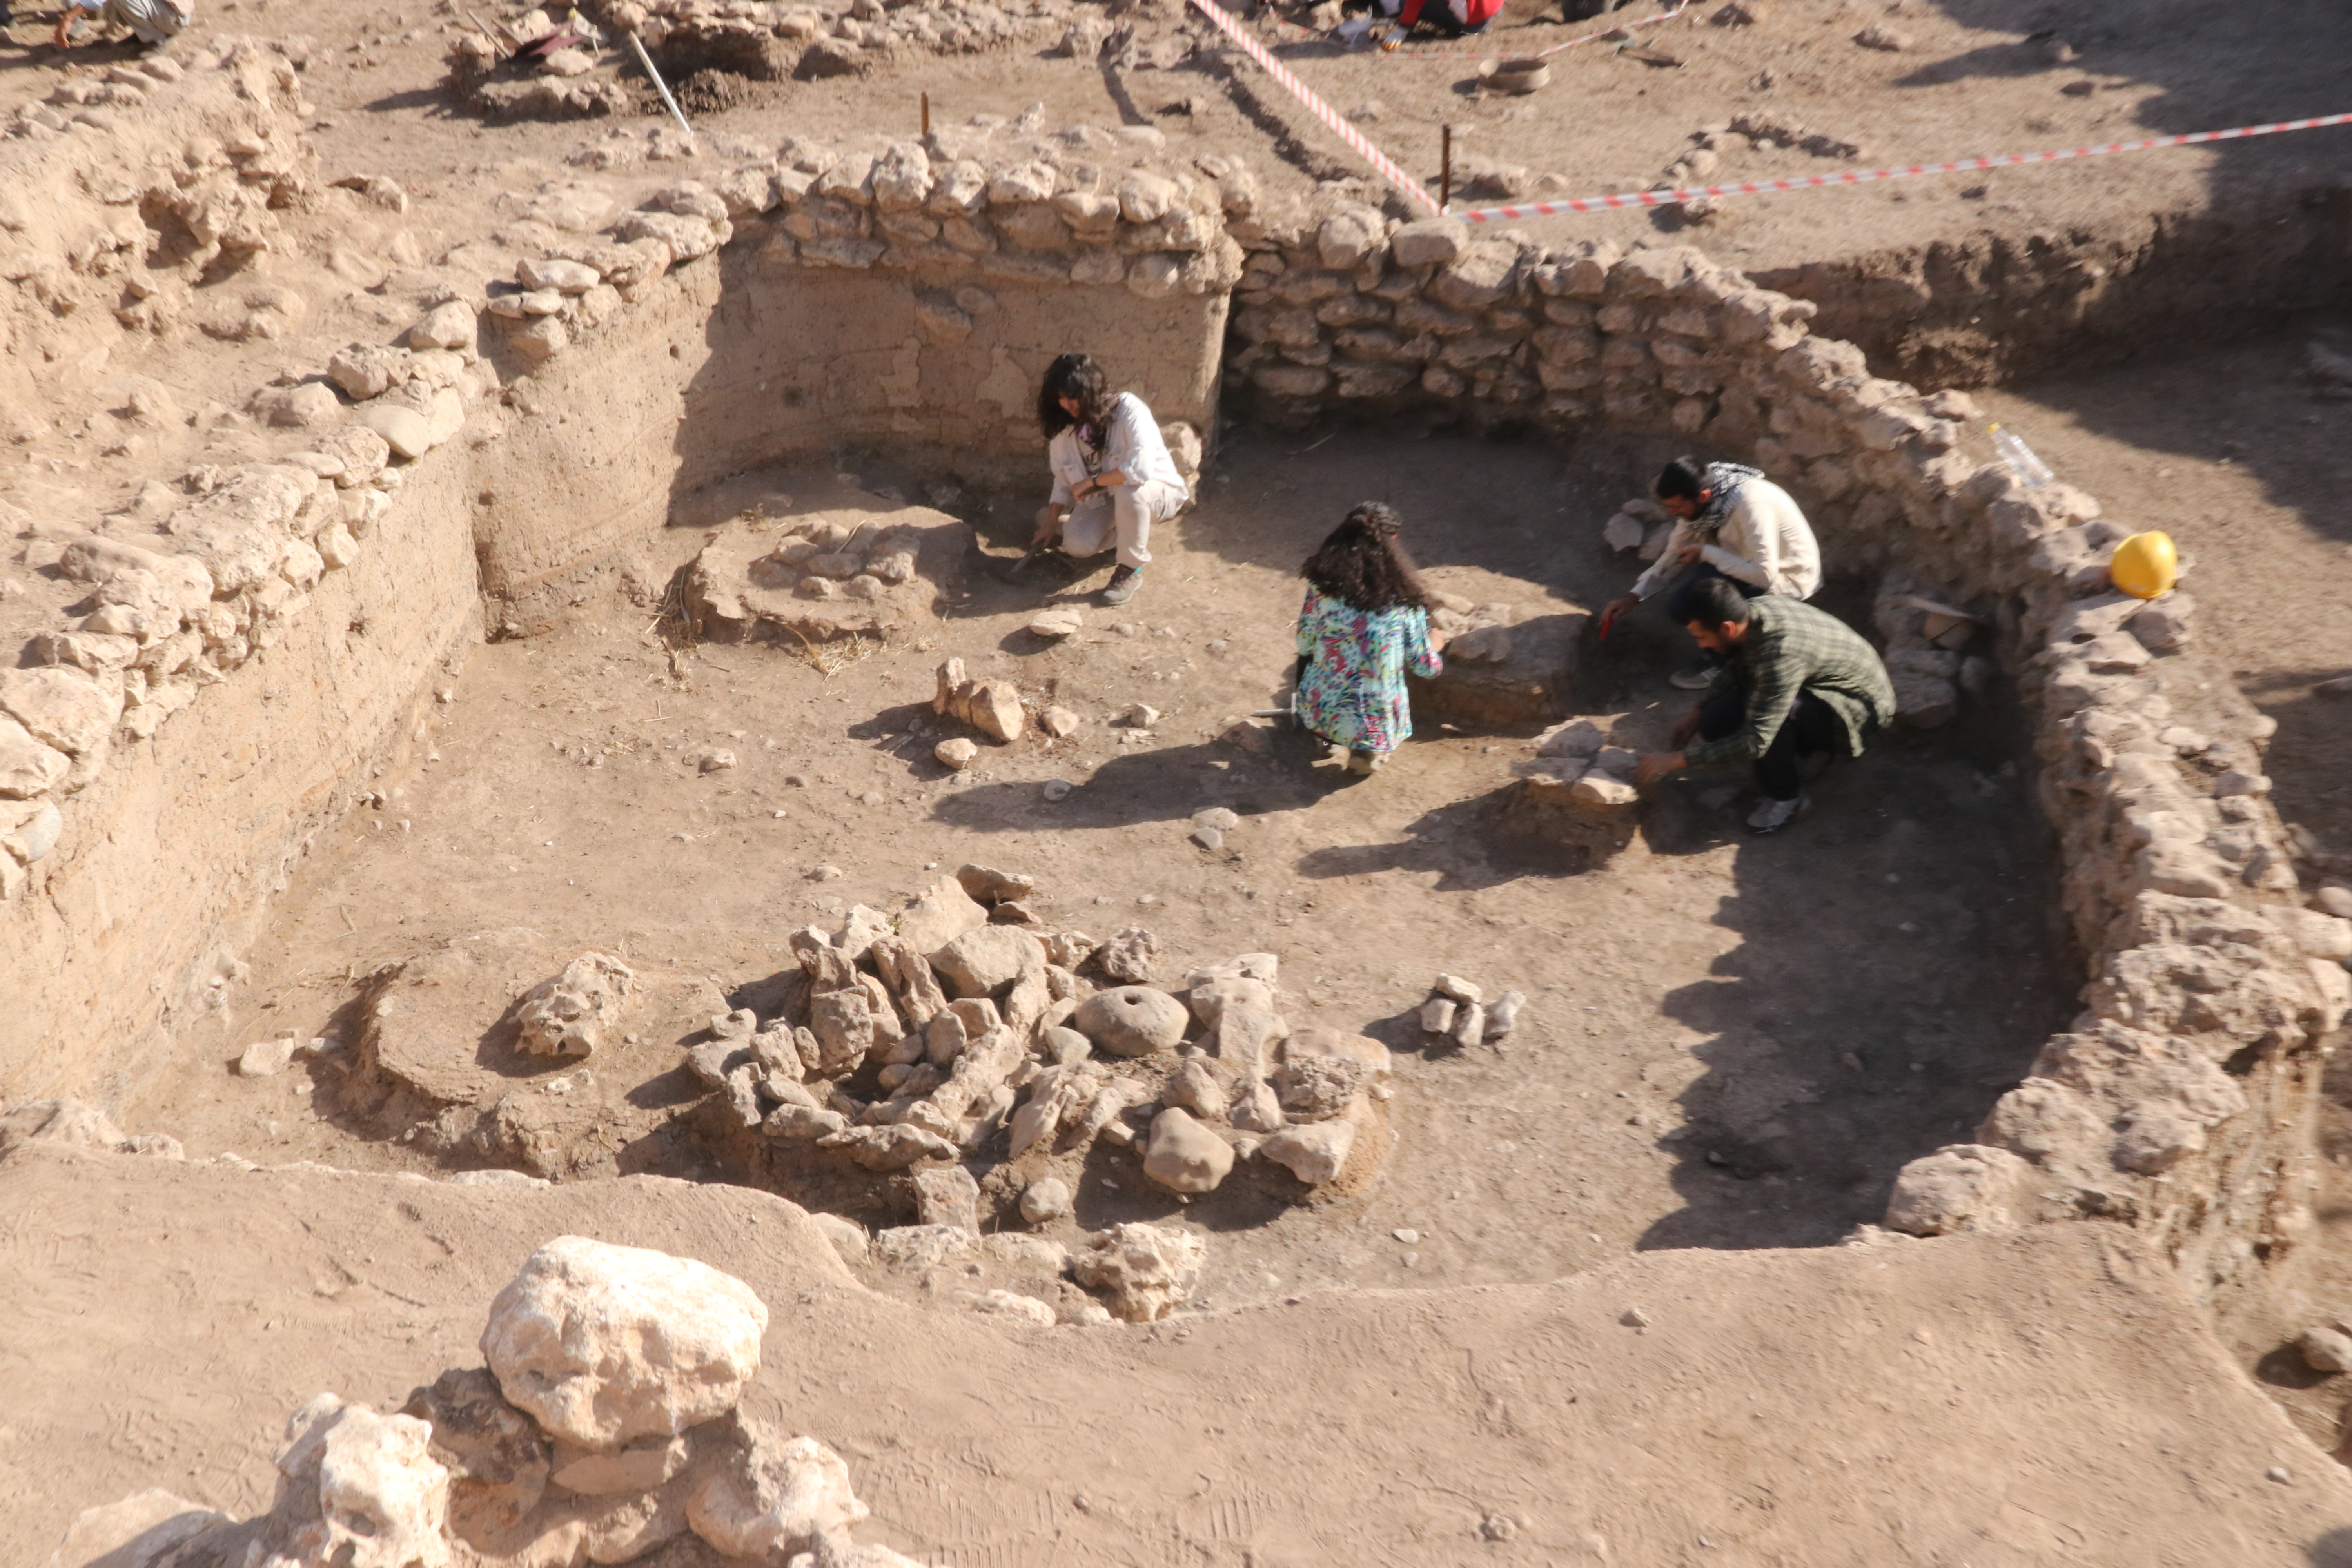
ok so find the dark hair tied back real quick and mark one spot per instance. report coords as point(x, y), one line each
point(1361, 564)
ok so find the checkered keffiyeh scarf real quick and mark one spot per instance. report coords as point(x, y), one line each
point(1724, 482)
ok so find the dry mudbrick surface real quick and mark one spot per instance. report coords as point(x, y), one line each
point(1174, 1081)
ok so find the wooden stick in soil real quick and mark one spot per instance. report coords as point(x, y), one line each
point(1446, 168)
point(927, 117)
point(661, 87)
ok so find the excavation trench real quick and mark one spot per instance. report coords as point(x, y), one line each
point(1727, 1043)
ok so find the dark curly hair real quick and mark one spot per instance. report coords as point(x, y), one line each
point(1078, 376)
point(1361, 564)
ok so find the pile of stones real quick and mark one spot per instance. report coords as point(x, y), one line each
point(603, 1427)
point(954, 1038)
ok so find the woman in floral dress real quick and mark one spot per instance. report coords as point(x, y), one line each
point(1365, 623)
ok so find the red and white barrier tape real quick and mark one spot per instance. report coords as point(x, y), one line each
point(1661, 198)
point(1425, 54)
point(1323, 112)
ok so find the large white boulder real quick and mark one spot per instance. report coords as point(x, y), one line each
point(601, 1344)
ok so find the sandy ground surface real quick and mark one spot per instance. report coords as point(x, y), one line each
point(2003, 1403)
point(1682, 1078)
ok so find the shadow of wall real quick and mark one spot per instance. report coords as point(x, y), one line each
point(747, 359)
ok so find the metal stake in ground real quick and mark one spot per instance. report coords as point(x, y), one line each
point(661, 87)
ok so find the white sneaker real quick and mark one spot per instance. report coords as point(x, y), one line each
point(1697, 677)
point(1771, 815)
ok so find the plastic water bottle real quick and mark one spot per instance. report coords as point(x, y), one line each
point(2021, 458)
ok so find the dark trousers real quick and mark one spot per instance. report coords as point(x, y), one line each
point(1812, 728)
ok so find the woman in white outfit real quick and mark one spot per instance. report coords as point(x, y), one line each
point(1113, 477)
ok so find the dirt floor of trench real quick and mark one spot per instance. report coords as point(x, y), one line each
point(1731, 1042)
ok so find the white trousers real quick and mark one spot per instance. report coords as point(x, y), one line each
point(1123, 516)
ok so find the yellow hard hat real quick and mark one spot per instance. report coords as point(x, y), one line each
point(2145, 565)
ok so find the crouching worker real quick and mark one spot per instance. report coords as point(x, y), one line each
point(155, 23)
point(1730, 522)
point(1365, 623)
point(1113, 477)
point(1795, 681)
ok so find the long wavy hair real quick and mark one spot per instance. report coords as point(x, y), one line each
point(1361, 564)
point(1078, 376)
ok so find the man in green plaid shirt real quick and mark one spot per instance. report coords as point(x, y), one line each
point(1796, 681)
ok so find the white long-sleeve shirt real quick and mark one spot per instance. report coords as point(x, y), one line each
point(1132, 445)
point(1764, 539)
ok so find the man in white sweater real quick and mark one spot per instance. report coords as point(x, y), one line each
point(1730, 522)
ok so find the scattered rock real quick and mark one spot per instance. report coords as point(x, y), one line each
point(567, 1015)
point(1058, 723)
point(990, 886)
point(958, 753)
point(600, 1344)
point(1185, 1156)
point(1056, 624)
point(1314, 1153)
point(1045, 1200)
point(778, 1497)
point(266, 1059)
point(1148, 1270)
point(1127, 957)
point(948, 1197)
point(2325, 1349)
point(1131, 1021)
point(1002, 1303)
point(1879, 36)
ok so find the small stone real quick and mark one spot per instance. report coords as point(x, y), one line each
point(2325, 1349)
point(1127, 957)
point(1207, 839)
point(716, 761)
point(1148, 1268)
point(1185, 1156)
point(1623, 531)
point(825, 873)
point(567, 1014)
point(958, 753)
point(1437, 1015)
point(1056, 791)
point(1315, 1153)
point(1139, 716)
point(1131, 1021)
point(266, 1059)
point(1504, 1015)
point(1634, 1317)
point(1470, 1026)
point(1459, 989)
point(1409, 1237)
point(1055, 623)
point(1218, 818)
point(1057, 721)
point(1882, 37)
point(1045, 1200)
point(2278, 1473)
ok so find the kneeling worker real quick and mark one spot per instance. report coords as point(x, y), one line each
point(1730, 522)
point(1795, 681)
